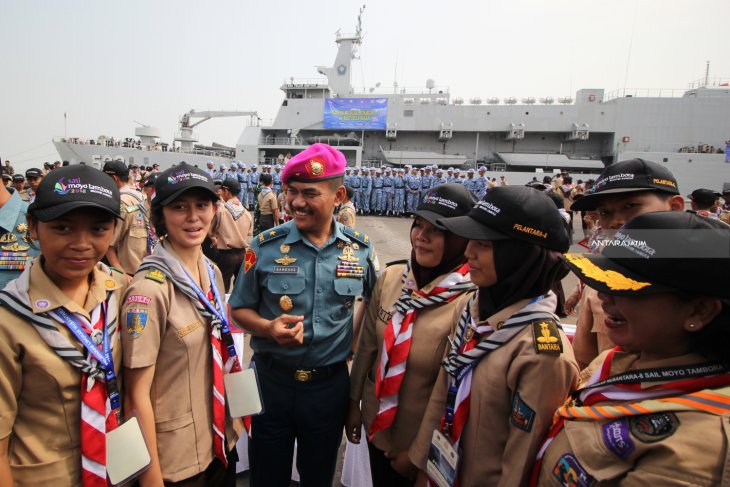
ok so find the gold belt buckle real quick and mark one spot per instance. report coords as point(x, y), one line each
point(303, 375)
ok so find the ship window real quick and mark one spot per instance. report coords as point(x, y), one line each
point(285, 103)
point(407, 113)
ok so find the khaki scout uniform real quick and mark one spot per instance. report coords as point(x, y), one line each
point(428, 345)
point(130, 235)
point(268, 203)
point(514, 392)
point(346, 215)
point(660, 449)
point(232, 231)
point(40, 393)
point(174, 338)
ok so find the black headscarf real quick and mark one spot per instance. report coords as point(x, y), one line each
point(452, 257)
point(523, 271)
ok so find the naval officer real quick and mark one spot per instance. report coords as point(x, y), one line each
point(17, 246)
point(295, 295)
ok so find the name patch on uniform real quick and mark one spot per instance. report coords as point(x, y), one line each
point(138, 298)
point(569, 472)
point(522, 415)
point(186, 330)
point(249, 259)
point(283, 269)
point(547, 338)
point(136, 322)
point(156, 275)
point(617, 438)
point(383, 315)
point(650, 428)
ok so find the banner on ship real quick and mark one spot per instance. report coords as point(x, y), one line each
point(355, 113)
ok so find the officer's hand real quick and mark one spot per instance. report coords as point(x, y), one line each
point(287, 330)
point(400, 462)
point(353, 422)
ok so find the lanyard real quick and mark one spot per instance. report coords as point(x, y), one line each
point(225, 328)
point(680, 372)
point(104, 356)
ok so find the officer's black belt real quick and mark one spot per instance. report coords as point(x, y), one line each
point(301, 374)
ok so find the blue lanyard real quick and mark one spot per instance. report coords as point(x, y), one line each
point(104, 356)
point(225, 328)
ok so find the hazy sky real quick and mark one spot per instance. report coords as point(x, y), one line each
point(107, 64)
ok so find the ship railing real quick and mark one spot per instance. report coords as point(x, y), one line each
point(709, 83)
point(272, 140)
point(437, 91)
point(305, 82)
point(333, 141)
point(644, 93)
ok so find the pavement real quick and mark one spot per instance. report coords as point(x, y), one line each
point(391, 239)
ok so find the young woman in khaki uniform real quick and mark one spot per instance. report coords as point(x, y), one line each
point(655, 410)
point(52, 388)
point(510, 364)
point(419, 303)
point(172, 336)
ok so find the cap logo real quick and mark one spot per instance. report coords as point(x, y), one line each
point(316, 168)
point(181, 176)
point(76, 186)
point(488, 207)
point(530, 231)
point(664, 182)
point(639, 247)
point(435, 199)
point(614, 280)
point(613, 178)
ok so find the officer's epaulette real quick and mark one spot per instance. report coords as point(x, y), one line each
point(396, 262)
point(356, 235)
point(273, 234)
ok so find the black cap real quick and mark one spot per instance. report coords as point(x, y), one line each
point(513, 212)
point(231, 185)
point(149, 180)
point(174, 181)
point(659, 252)
point(538, 185)
point(445, 201)
point(626, 177)
point(116, 168)
point(7, 177)
point(18, 178)
point(704, 196)
point(33, 173)
point(72, 187)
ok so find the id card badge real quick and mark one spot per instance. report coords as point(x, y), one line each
point(443, 461)
point(243, 393)
point(127, 455)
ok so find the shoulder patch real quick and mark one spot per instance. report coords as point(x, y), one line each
point(136, 322)
point(249, 260)
point(272, 234)
point(568, 471)
point(131, 209)
point(650, 428)
point(156, 275)
point(522, 415)
point(356, 235)
point(547, 337)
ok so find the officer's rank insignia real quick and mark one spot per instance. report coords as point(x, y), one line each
point(285, 303)
point(348, 255)
point(547, 337)
point(272, 233)
point(156, 275)
point(522, 415)
point(285, 260)
point(8, 238)
point(136, 322)
point(261, 237)
point(16, 247)
point(249, 259)
point(284, 248)
point(22, 227)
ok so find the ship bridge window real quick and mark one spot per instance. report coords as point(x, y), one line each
point(285, 103)
point(407, 113)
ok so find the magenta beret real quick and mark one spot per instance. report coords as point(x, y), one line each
point(316, 163)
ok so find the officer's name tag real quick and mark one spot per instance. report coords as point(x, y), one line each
point(242, 393)
point(282, 269)
point(443, 461)
point(127, 452)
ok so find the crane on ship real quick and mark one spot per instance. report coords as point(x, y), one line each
point(185, 135)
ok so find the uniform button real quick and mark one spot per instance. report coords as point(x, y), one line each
point(316, 320)
point(319, 290)
point(285, 285)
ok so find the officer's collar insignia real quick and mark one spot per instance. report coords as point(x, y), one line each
point(285, 260)
point(348, 255)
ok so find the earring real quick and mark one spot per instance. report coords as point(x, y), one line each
point(692, 325)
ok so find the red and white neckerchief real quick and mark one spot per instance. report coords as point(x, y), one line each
point(96, 417)
point(710, 393)
point(220, 356)
point(397, 338)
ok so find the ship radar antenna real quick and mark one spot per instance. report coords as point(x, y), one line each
point(358, 31)
point(140, 123)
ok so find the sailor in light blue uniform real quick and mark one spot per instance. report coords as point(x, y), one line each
point(450, 175)
point(388, 191)
point(253, 182)
point(457, 177)
point(376, 199)
point(356, 185)
point(413, 190)
point(348, 177)
point(482, 183)
point(426, 180)
point(439, 179)
point(399, 192)
point(367, 187)
point(470, 183)
point(16, 247)
point(210, 168)
point(276, 178)
point(243, 182)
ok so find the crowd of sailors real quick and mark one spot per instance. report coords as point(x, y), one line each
point(113, 317)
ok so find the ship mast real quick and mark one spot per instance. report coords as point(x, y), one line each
point(338, 76)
